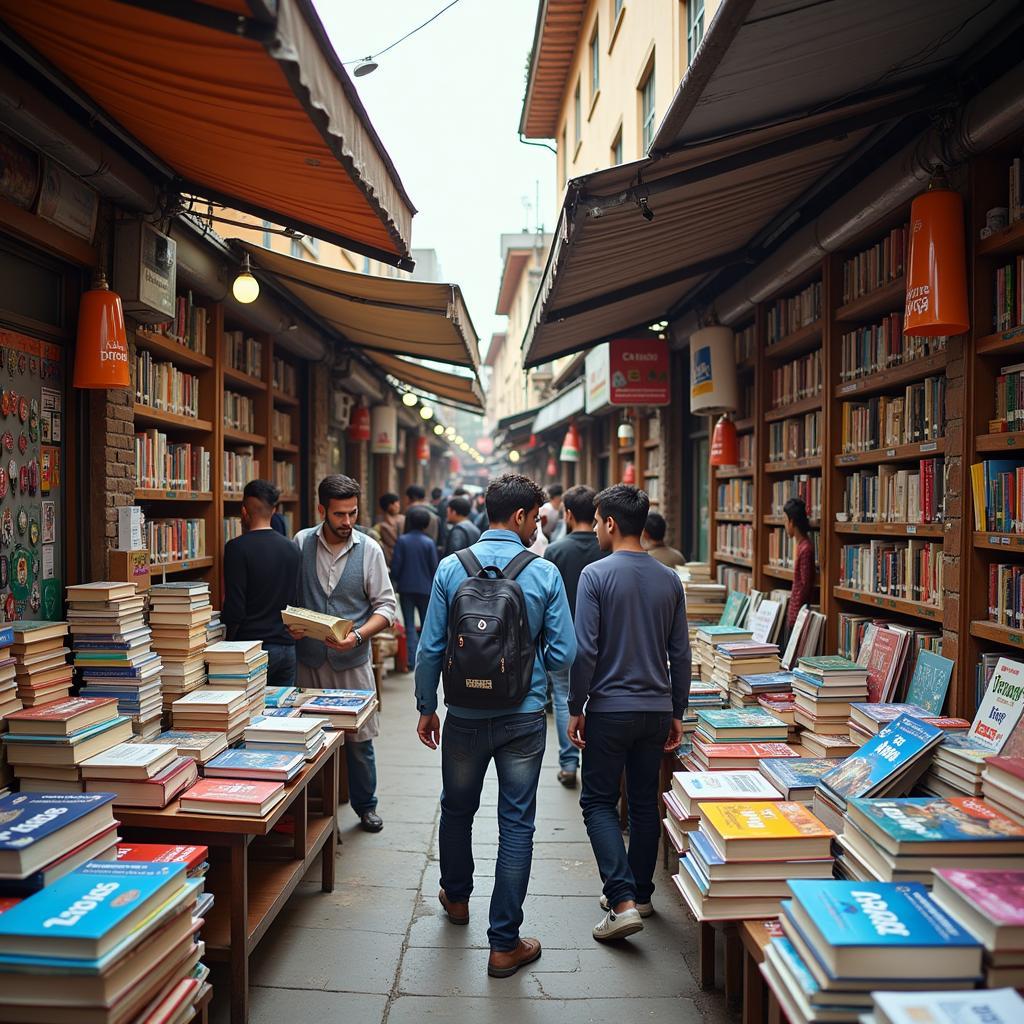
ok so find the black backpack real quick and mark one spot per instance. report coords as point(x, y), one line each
point(488, 663)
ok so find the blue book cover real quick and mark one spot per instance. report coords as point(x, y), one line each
point(279, 696)
point(262, 760)
point(6, 636)
point(751, 719)
point(885, 712)
point(814, 681)
point(688, 865)
point(930, 681)
point(735, 604)
point(769, 681)
point(704, 848)
point(934, 819)
point(147, 668)
point(65, 741)
point(83, 906)
point(797, 772)
point(329, 704)
point(797, 968)
point(363, 695)
point(25, 818)
point(883, 756)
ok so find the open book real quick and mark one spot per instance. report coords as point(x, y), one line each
point(317, 625)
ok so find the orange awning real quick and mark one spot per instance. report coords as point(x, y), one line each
point(248, 108)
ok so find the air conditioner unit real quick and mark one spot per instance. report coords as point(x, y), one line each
point(341, 408)
point(145, 272)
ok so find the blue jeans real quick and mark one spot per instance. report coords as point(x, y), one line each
point(280, 664)
point(516, 743)
point(630, 741)
point(412, 603)
point(362, 775)
point(568, 755)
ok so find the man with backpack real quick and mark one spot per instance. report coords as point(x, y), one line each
point(461, 530)
point(497, 624)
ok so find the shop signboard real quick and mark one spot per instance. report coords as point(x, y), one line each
point(627, 371)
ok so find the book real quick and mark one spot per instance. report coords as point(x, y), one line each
point(157, 791)
point(880, 930)
point(129, 761)
point(234, 651)
point(62, 717)
point(232, 796)
point(73, 750)
point(930, 681)
point(741, 724)
point(101, 592)
point(883, 661)
point(1001, 706)
point(693, 788)
point(29, 632)
point(989, 904)
point(737, 755)
point(795, 778)
point(316, 625)
point(243, 763)
point(193, 857)
point(200, 745)
point(992, 1006)
point(732, 612)
point(766, 830)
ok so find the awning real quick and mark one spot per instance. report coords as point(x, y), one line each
point(448, 388)
point(231, 101)
point(751, 139)
point(517, 426)
point(380, 314)
point(560, 409)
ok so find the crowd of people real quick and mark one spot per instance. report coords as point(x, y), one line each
point(517, 600)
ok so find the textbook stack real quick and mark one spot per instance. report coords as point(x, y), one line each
point(844, 940)
point(46, 745)
point(1002, 785)
point(179, 614)
point(823, 689)
point(903, 839)
point(340, 709)
point(233, 797)
point(215, 629)
point(797, 777)
point(741, 856)
point(41, 661)
point(200, 746)
point(747, 689)
point(704, 599)
point(744, 657)
point(703, 696)
point(139, 774)
point(956, 768)
point(127, 941)
point(9, 700)
point(990, 905)
point(740, 725)
point(209, 710)
point(706, 639)
point(113, 653)
point(239, 665)
point(45, 836)
point(264, 765)
point(866, 719)
point(288, 735)
point(720, 757)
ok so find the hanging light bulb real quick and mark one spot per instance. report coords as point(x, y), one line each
point(513, 456)
point(246, 288)
point(625, 434)
point(409, 399)
point(426, 412)
point(438, 429)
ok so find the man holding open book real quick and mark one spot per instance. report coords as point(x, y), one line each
point(343, 572)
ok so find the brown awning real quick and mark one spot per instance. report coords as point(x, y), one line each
point(446, 387)
point(248, 108)
point(380, 314)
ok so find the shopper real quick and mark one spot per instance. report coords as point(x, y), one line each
point(513, 737)
point(439, 504)
point(390, 523)
point(418, 498)
point(631, 677)
point(479, 513)
point(343, 572)
point(461, 531)
point(653, 540)
point(552, 515)
point(571, 555)
point(798, 526)
point(412, 570)
point(260, 569)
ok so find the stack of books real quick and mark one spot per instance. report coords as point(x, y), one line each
point(113, 652)
point(9, 700)
point(990, 905)
point(1002, 785)
point(823, 745)
point(748, 688)
point(44, 836)
point(193, 857)
point(280, 696)
point(179, 613)
point(341, 709)
point(956, 767)
point(797, 777)
point(783, 706)
point(126, 937)
point(742, 657)
point(824, 688)
point(46, 745)
point(289, 735)
point(844, 940)
point(239, 665)
point(866, 719)
point(740, 858)
point(209, 710)
point(215, 629)
point(740, 725)
point(702, 696)
point(235, 797)
point(889, 764)
point(139, 774)
point(41, 666)
point(703, 645)
point(199, 745)
point(704, 599)
point(245, 763)
point(719, 757)
point(903, 839)
point(998, 1006)
point(693, 790)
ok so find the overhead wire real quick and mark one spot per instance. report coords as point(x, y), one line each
point(411, 32)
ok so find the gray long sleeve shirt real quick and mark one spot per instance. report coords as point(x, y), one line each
point(632, 642)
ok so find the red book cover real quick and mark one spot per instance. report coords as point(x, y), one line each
point(1010, 765)
point(159, 853)
point(949, 724)
point(881, 666)
point(749, 750)
point(61, 710)
point(997, 894)
point(234, 791)
point(6, 902)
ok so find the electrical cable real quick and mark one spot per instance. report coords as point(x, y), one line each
point(411, 32)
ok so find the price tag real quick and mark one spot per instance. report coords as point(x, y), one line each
point(171, 494)
point(847, 459)
point(993, 540)
point(930, 446)
point(1004, 540)
point(890, 453)
point(847, 388)
point(911, 529)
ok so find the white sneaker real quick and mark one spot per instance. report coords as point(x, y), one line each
point(618, 926)
point(645, 909)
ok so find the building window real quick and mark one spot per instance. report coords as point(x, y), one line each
point(577, 113)
point(595, 64)
point(694, 26)
point(617, 148)
point(647, 110)
point(267, 239)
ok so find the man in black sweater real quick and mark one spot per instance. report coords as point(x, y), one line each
point(260, 572)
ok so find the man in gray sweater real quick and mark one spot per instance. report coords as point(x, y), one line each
point(632, 678)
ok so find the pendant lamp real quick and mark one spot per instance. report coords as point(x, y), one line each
point(937, 264)
point(713, 388)
point(101, 348)
point(552, 467)
point(359, 424)
point(571, 445)
point(422, 450)
point(625, 434)
point(629, 473)
point(724, 443)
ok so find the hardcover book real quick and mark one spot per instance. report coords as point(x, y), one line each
point(316, 625)
point(1001, 706)
point(993, 1006)
point(694, 787)
point(763, 830)
point(768, 681)
point(328, 705)
point(158, 853)
point(35, 828)
point(883, 664)
point(244, 763)
point(798, 773)
point(232, 791)
point(930, 681)
point(735, 604)
point(63, 717)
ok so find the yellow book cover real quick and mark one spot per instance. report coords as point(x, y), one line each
point(763, 820)
point(978, 487)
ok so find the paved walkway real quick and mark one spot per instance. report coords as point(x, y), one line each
point(378, 949)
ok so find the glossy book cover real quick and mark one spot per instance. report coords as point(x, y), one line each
point(763, 820)
point(798, 772)
point(25, 818)
point(740, 718)
point(930, 681)
point(937, 819)
point(997, 894)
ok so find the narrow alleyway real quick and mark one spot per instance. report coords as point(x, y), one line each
point(378, 949)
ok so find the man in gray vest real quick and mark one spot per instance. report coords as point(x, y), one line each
point(343, 572)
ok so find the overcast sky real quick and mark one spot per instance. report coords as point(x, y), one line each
point(446, 105)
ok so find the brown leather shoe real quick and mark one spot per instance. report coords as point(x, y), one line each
point(504, 965)
point(458, 913)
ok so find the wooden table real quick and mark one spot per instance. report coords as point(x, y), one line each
point(253, 870)
point(754, 937)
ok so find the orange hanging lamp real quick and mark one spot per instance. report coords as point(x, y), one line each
point(571, 445)
point(937, 264)
point(359, 424)
point(725, 443)
point(422, 449)
point(629, 473)
point(552, 467)
point(101, 347)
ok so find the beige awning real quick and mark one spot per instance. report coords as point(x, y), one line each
point(243, 102)
point(446, 387)
point(381, 314)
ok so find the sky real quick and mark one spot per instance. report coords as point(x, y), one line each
point(446, 105)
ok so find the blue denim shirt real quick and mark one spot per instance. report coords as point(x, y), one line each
point(547, 611)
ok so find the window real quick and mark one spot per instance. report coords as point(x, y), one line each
point(267, 241)
point(577, 113)
point(694, 26)
point(617, 148)
point(647, 110)
point(595, 64)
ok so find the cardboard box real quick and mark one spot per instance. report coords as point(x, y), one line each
point(132, 567)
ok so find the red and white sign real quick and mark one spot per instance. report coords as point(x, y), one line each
point(628, 371)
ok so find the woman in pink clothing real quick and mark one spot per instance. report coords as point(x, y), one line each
point(799, 527)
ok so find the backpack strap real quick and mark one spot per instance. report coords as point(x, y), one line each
point(469, 562)
point(518, 564)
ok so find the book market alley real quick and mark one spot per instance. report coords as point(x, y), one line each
point(484, 541)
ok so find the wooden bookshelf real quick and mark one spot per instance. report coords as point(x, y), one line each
point(897, 453)
point(810, 404)
point(812, 462)
point(999, 442)
point(733, 472)
point(735, 517)
point(889, 298)
point(890, 529)
point(1003, 636)
point(1004, 543)
point(895, 376)
point(147, 416)
point(913, 609)
point(156, 494)
point(721, 556)
point(800, 342)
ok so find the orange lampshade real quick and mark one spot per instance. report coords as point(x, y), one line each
point(724, 443)
point(937, 266)
point(629, 473)
point(454, 466)
point(422, 449)
point(101, 349)
point(571, 445)
point(552, 467)
point(359, 424)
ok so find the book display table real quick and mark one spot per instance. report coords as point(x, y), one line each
point(253, 868)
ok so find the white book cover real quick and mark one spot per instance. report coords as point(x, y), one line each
point(1000, 707)
point(299, 726)
point(235, 647)
point(762, 622)
point(746, 785)
point(210, 697)
point(794, 637)
point(996, 1006)
point(136, 754)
